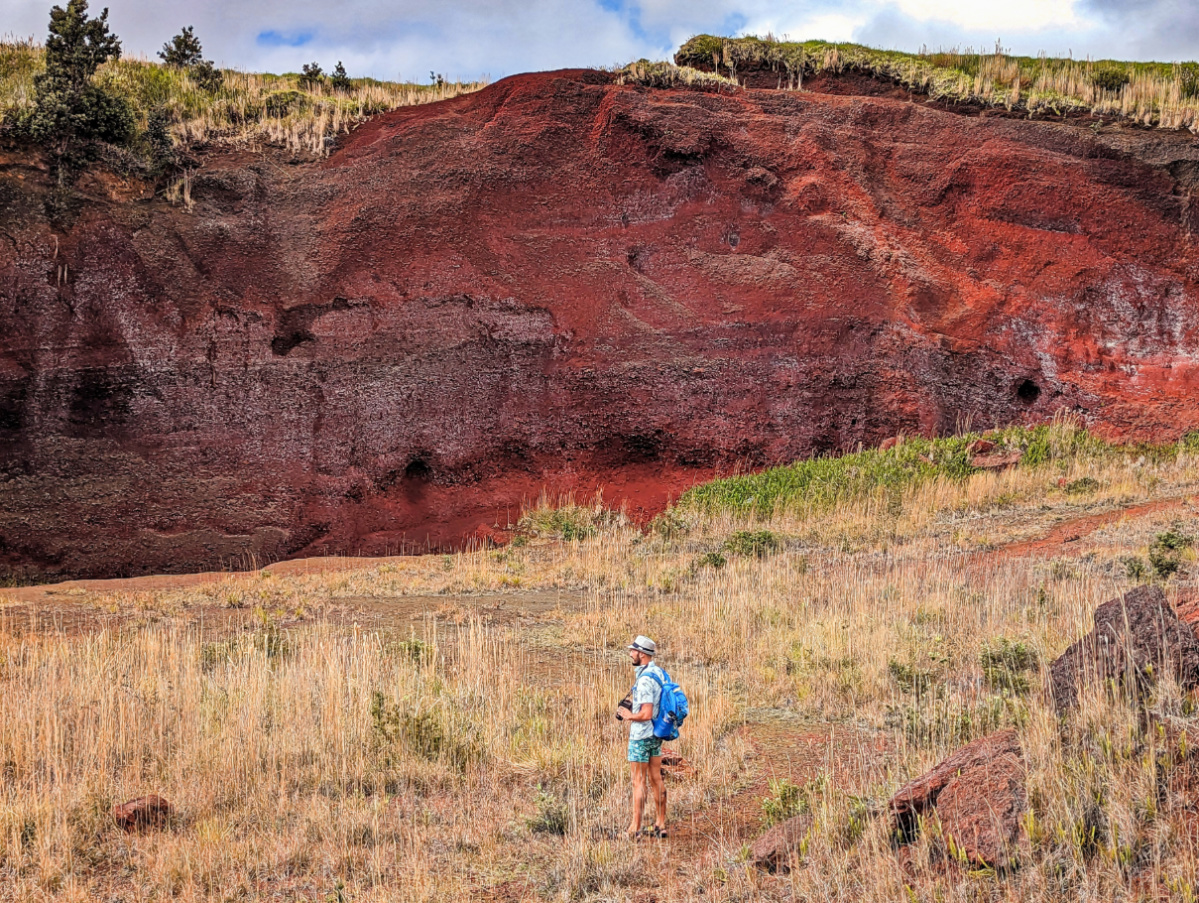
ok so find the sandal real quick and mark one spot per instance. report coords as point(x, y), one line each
point(656, 833)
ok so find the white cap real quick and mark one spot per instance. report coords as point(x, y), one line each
point(645, 644)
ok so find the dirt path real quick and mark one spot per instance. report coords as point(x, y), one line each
point(855, 760)
point(1072, 530)
point(153, 582)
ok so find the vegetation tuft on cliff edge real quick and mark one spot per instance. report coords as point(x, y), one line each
point(1149, 93)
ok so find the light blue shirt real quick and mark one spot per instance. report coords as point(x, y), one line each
point(646, 689)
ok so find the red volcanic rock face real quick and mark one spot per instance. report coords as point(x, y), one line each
point(558, 282)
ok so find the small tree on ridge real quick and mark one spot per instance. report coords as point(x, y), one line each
point(339, 80)
point(313, 75)
point(70, 114)
point(183, 50)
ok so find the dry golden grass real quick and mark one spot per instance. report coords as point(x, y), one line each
point(1158, 94)
point(493, 732)
point(248, 109)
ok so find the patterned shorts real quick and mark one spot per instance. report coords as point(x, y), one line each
point(644, 750)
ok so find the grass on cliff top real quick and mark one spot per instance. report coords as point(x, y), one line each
point(820, 484)
point(248, 108)
point(1149, 93)
point(666, 75)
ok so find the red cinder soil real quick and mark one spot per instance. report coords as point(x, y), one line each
point(559, 282)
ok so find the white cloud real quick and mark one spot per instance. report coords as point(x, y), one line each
point(468, 38)
point(1011, 15)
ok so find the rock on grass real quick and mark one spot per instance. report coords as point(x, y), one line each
point(142, 813)
point(978, 794)
point(775, 849)
point(1136, 638)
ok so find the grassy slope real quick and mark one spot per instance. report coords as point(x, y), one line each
point(256, 107)
point(873, 612)
point(818, 484)
point(1163, 94)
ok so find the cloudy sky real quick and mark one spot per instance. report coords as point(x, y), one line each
point(471, 38)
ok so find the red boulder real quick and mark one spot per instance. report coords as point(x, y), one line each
point(144, 812)
point(978, 794)
point(777, 848)
point(1135, 638)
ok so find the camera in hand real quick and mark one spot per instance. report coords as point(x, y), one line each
point(626, 703)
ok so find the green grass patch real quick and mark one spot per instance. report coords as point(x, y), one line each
point(819, 484)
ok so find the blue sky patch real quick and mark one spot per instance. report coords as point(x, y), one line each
point(734, 23)
point(284, 38)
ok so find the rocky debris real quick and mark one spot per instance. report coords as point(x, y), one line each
point(978, 794)
point(142, 813)
point(775, 850)
point(980, 447)
point(676, 767)
point(1135, 638)
point(995, 462)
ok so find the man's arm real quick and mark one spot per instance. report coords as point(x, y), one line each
point(645, 713)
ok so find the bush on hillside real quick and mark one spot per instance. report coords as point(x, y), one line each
point(70, 114)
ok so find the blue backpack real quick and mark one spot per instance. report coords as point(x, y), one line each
point(672, 708)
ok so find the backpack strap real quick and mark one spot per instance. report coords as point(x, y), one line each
point(652, 676)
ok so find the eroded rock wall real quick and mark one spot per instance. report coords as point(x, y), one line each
point(562, 282)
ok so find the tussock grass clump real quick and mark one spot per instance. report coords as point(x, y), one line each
point(1160, 94)
point(665, 75)
point(568, 521)
point(285, 111)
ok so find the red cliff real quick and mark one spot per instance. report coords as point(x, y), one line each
point(562, 282)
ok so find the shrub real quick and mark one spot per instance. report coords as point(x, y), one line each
point(421, 733)
point(313, 75)
point(207, 76)
point(1110, 78)
point(1006, 664)
point(1082, 486)
point(1134, 568)
point(411, 649)
point(786, 800)
point(1165, 553)
point(713, 560)
point(752, 543)
point(159, 148)
point(552, 816)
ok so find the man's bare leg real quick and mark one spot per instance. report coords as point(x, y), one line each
point(659, 789)
point(639, 771)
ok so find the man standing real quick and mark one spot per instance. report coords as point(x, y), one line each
point(645, 750)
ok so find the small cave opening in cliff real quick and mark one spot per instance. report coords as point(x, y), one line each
point(282, 345)
point(418, 471)
point(1028, 391)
